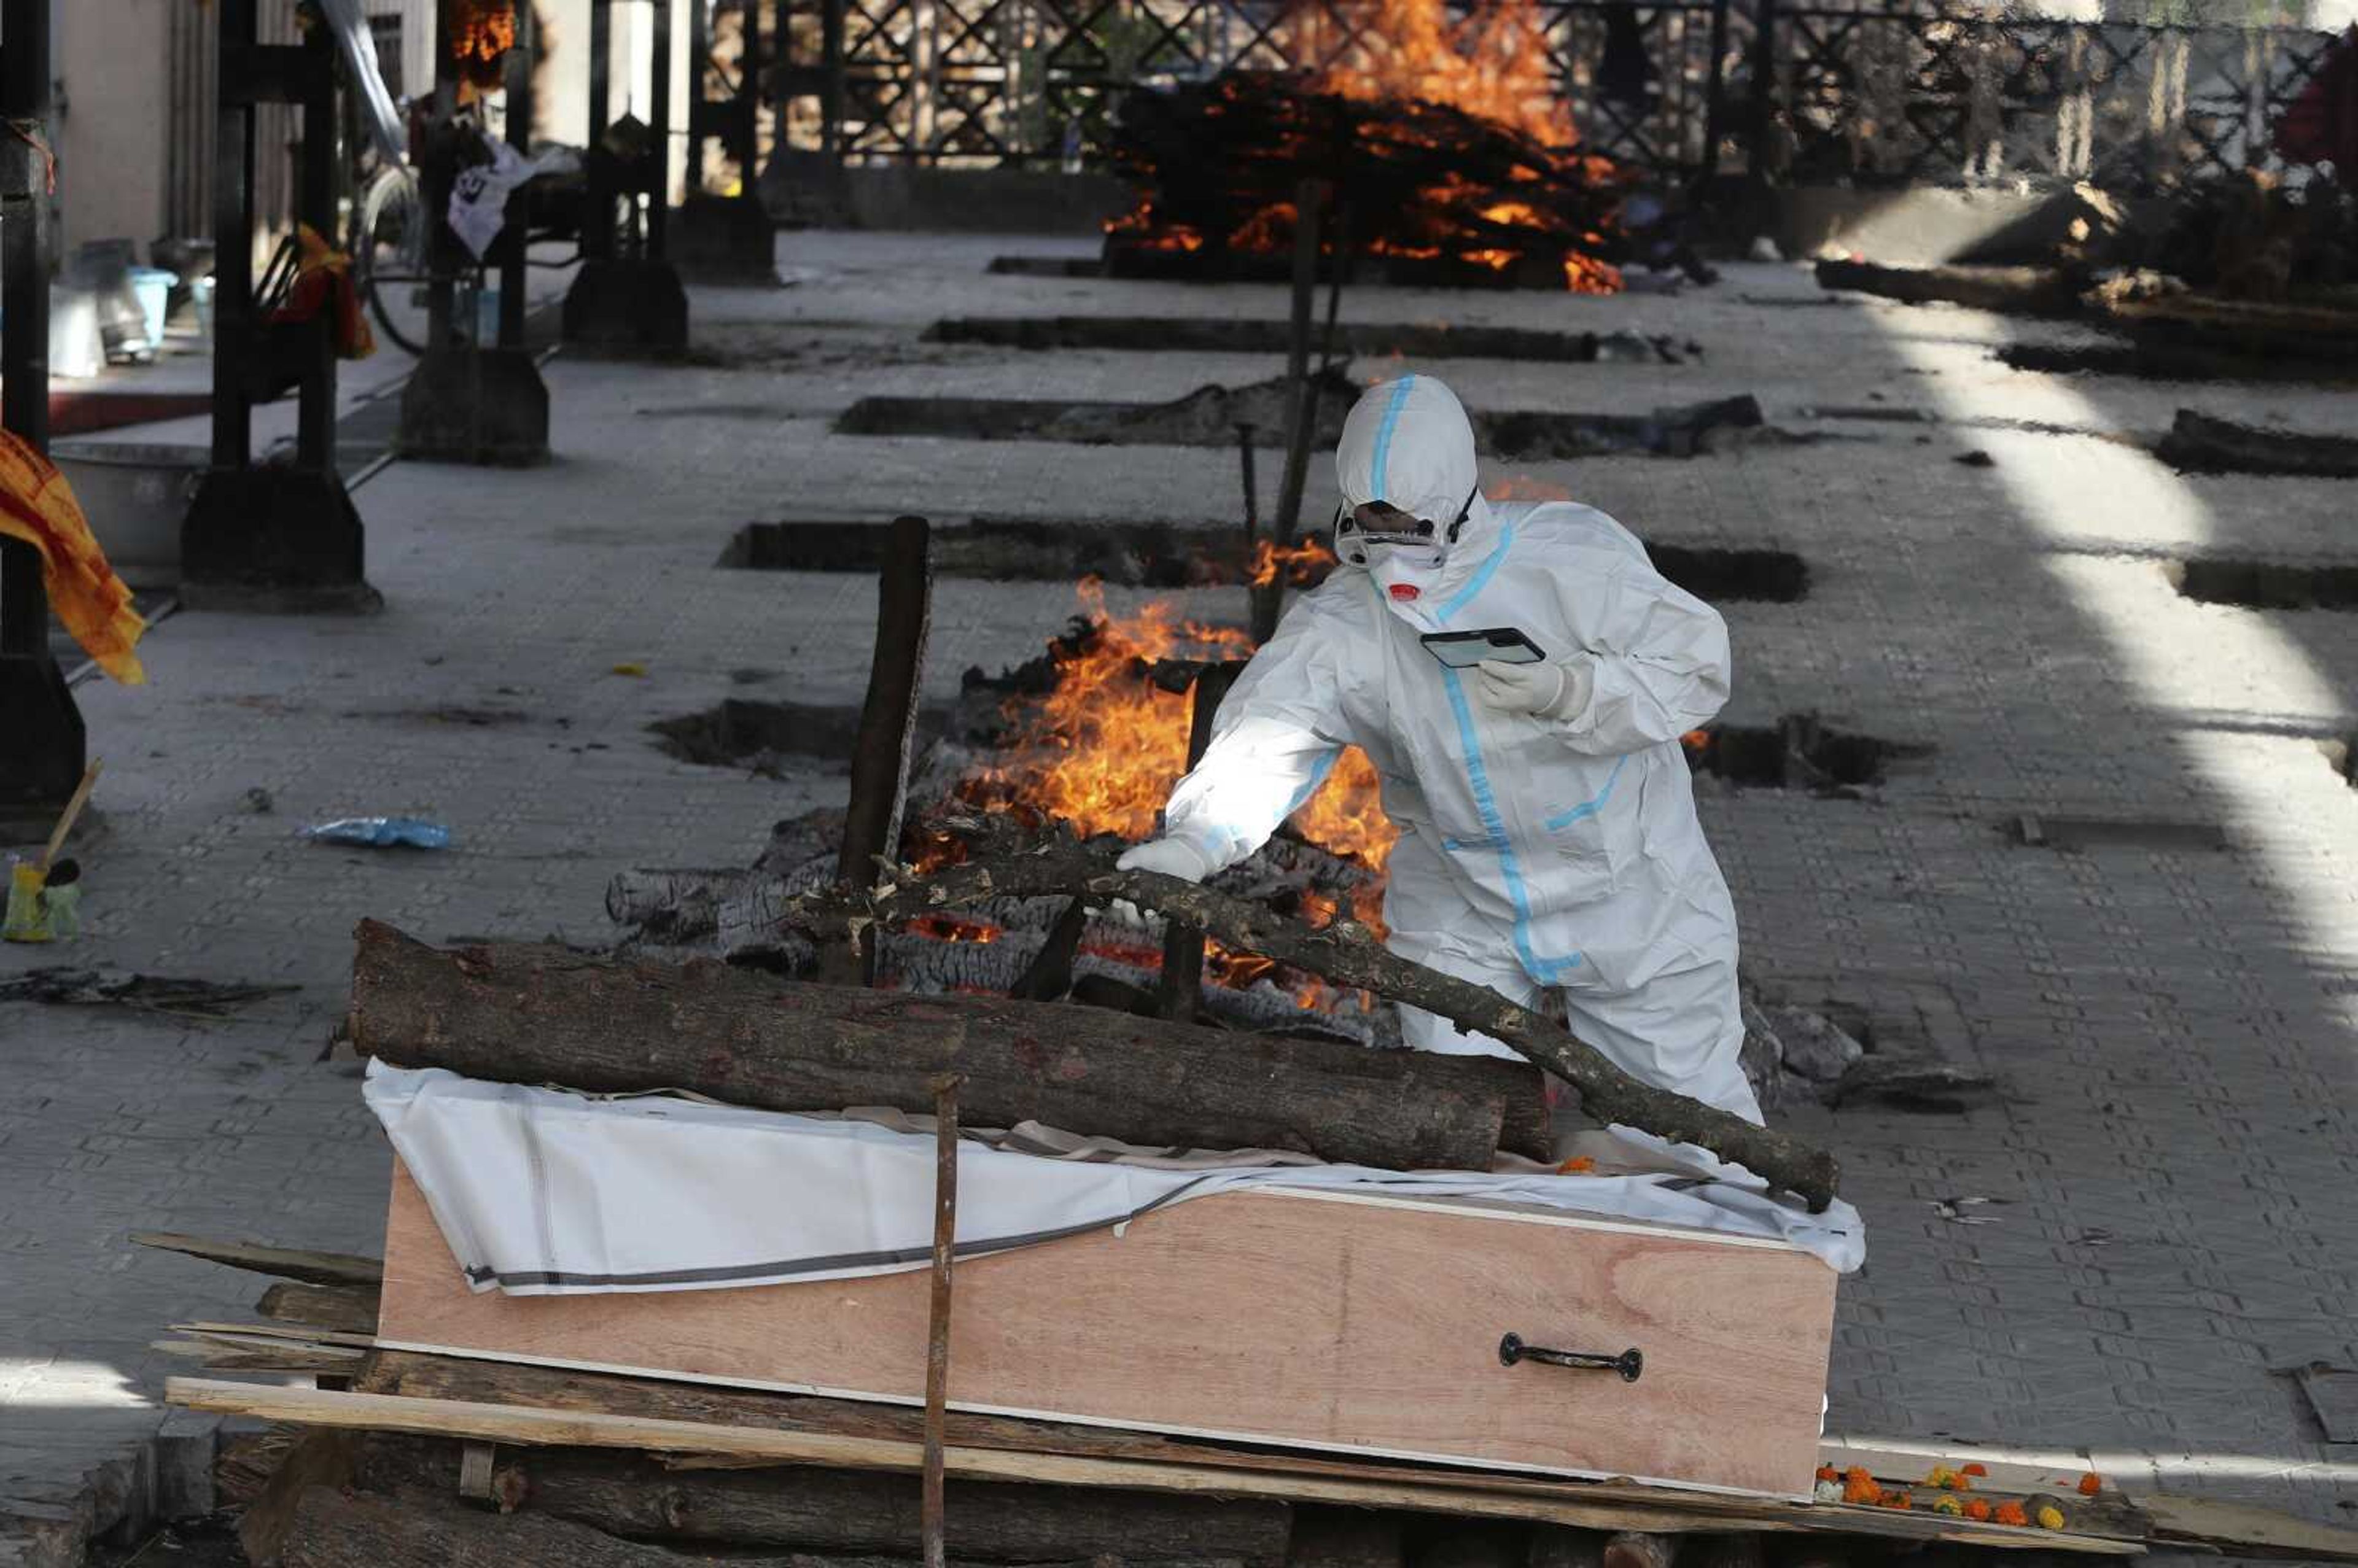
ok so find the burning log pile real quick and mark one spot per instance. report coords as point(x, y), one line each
point(1430, 194)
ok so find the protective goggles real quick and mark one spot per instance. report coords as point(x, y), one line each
point(1356, 543)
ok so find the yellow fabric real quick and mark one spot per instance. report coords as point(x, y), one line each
point(38, 506)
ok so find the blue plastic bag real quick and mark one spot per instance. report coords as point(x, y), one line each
point(383, 832)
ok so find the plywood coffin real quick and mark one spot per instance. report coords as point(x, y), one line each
point(1360, 1324)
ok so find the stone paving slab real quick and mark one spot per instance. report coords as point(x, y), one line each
point(2174, 1031)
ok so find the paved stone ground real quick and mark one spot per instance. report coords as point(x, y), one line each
point(2172, 1154)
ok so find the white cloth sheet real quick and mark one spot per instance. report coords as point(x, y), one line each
point(547, 1192)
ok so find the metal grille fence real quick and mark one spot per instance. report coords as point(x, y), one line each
point(1884, 91)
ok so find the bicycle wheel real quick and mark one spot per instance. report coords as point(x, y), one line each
point(390, 254)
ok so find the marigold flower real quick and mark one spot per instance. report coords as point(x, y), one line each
point(1949, 1505)
point(1828, 1473)
point(2051, 1518)
point(1858, 1487)
point(1978, 1510)
point(1975, 1468)
point(1578, 1165)
point(2090, 1486)
point(2010, 1513)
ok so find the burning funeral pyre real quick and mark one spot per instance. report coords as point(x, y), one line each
point(1091, 735)
point(1448, 151)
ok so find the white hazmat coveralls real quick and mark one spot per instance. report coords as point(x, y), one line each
point(1555, 848)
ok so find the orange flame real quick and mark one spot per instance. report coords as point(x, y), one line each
point(1299, 562)
point(1102, 749)
point(1493, 65)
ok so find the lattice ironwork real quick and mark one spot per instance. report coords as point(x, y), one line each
point(1878, 92)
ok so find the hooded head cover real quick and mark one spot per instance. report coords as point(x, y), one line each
point(1408, 443)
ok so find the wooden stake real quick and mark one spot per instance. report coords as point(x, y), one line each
point(73, 809)
point(888, 721)
point(938, 1325)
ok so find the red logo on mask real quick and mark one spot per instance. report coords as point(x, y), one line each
point(1406, 592)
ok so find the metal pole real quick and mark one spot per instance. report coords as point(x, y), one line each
point(1714, 110)
point(749, 90)
point(522, 59)
point(315, 430)
point(831, 92)
point(25, 300)
point(659, 112)
point(42, 743)
point(233, 241)
point(598, 223)
point(436, 179)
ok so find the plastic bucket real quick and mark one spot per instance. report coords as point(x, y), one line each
point(153, 287)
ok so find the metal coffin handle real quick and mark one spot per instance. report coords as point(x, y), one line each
point(1629, 1363)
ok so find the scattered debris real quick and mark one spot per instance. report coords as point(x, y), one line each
point(144, 993)
point(1910, 1083)
point(260, 802)
point(1954, 1208)
point(383, 833)
point(636, 671)
point(1976, 459)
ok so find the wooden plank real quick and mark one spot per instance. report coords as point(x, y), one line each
point(2241, 1530)
point(351, 1308)
point(508, 1423)
point(287, 1263)
point(1258, 1316)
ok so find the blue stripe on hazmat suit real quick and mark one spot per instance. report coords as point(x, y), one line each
point(1556, 849)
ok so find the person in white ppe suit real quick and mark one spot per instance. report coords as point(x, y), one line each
point(1548, 838)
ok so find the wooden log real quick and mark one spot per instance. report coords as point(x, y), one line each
point(1639, 1548)
point(2201, 444)
point(534, 1016)
point(351, 1308)
point(1346, 954)
point(2011, 290)
point(845, 1512)
point(284, 1263)
point(332, 1528)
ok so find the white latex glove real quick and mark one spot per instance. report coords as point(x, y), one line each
point(1544, 690)
point(1172, 856)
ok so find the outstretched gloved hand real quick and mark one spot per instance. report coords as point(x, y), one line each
point(1172, 856)
point(1544, 690)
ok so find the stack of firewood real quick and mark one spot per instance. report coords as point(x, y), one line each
point(1454, 197)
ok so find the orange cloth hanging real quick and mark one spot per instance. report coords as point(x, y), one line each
point(323, 280)
point(38, 506)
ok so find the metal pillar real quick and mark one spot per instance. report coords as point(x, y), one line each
point(627, 300)
point(716, 235)
point(42, 741)
point(279, 536)
point(471, 402)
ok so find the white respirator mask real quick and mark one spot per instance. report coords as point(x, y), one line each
point(1405, 559)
